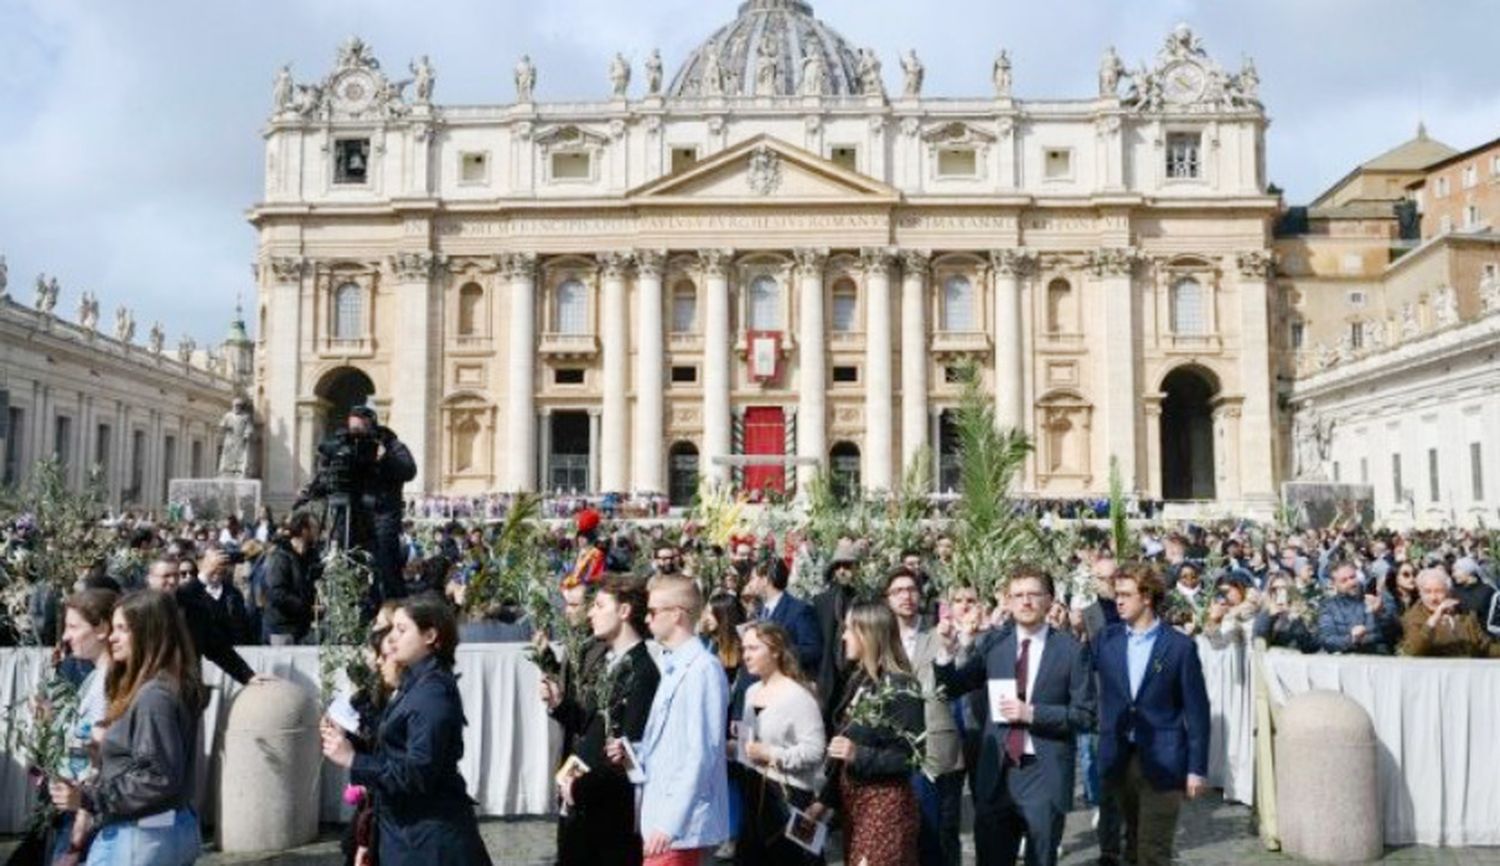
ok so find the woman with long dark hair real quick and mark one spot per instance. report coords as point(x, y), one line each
point(142, 797)
point(880, 719)
point(422, 807)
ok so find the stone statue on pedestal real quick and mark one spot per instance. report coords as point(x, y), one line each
point(157, 338)
point(914, 73)
point(1111, 70)
point(46, 293)
point(870, 79)
point(124, 325)
point(525, 79)
point(653, 73)
point(423, 79)
point(237, 426)
point(814, 74)
point(767, 67)
point(619, 76)
point(4, 277)
point(1002, 75)
point(88, 311)
point(185, 348)
point(283, 92)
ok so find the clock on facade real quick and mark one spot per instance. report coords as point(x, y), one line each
point(1183, 82)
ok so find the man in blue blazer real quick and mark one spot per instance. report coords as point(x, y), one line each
point(768, 581)
point(1153, 721)
point(1043, 695)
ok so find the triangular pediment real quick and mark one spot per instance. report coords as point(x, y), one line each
point(765, 169)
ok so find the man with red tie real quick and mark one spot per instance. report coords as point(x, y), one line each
point(1039, 693)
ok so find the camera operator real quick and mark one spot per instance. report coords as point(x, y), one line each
point(365, 465)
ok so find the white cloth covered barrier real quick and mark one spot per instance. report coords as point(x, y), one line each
point(510, 745)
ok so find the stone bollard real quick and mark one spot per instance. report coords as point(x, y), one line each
point(268, 784)
point(1328, 796)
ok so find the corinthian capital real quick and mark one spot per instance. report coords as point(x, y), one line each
point(810, 260)
point(287, 269)
point(1256, 263)
point(615, 264)
point(516, 266)
point(412, 267)
point(915, 261)
point(877, 259)
point(1014, 261)
point(716, 262)
point(650, 261)
point(1114, 261)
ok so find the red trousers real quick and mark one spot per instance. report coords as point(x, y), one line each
point(684, 857)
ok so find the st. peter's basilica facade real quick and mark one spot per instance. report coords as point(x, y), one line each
point(769, 253)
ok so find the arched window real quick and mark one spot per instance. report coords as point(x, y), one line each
point(1188, 308)
point(1061, 318)
point(958, 304)
point(845, 307)
point(843, 469)
point(470, 309)
point(348, 312)
point(684, 308)
point(765, 304)
point(465, 438)
point(572, 308)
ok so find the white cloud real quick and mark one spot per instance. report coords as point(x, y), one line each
point(129, 132)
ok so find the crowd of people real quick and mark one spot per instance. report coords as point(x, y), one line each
point(749, 714)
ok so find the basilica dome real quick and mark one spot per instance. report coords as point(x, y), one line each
point(772, 48)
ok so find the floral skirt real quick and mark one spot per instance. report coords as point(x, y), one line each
point(881, 824)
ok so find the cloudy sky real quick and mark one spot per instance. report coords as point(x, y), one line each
point(129, 146)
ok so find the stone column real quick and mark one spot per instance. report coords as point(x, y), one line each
point(1115, 267)
point(614, 328)
point(1227, 443)
point(594, 426)
point(1010, 385)
point(812, 365)
point(520, 397)
point(1257, 477)
point(650, 376)
point(543, 424)
point(283, 448)
point(412, 371)
point(878, 421)
point(1151, 405)
point(914, 265)
point(716, 369)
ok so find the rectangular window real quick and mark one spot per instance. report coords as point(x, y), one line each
point(684, 375)
point(168, 464)
point(683, 158)
point(684, 313)
point(15, 420)
point(1491, 271)
point(1357, 299)
point(1433, 489)
point(351, 160)
point(1184, 156)
point(62, 447)
point(1471, 176)
point(1445, 224)
point(958, 162)
point(1440, 187)
point(953, 375)
point(1057, 163)
point(844, 307)
point(474, 167)
point(1364, 470)
point(1476, 470)
point(844, 156)
point(1357, 335)
point(845, 375)
point(1398, 492)
point(1471, 216)
point(1337, 472)
point(197, 458)
point(1298, 334)
point(101, 448)
point(570, 166)
point(1495, 165)
point(568, 376)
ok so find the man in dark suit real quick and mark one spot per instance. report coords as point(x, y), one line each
point(830, 605)
point(768, 581)
point(1040, 692)
point(1153, 721)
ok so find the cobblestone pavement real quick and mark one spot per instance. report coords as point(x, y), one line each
point(1210, 832)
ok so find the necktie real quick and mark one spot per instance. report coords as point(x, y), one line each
point(1015, 738)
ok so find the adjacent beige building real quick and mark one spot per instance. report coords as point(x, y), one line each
point(773, 253)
